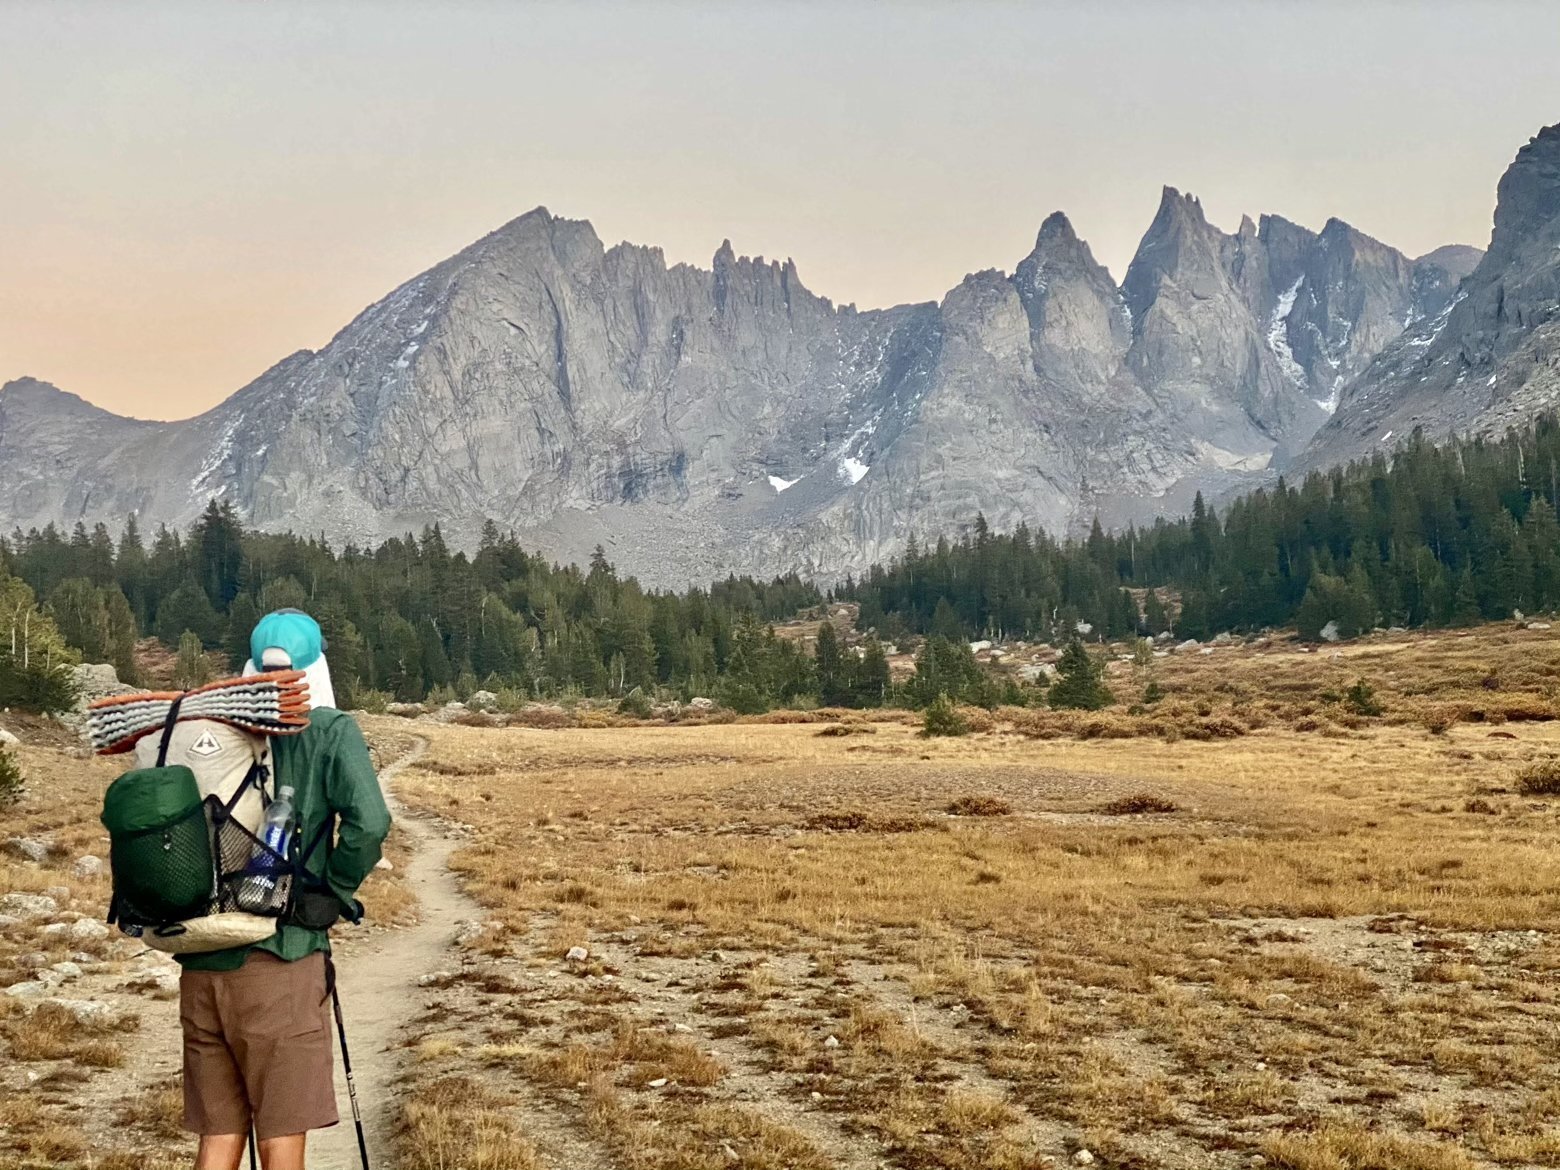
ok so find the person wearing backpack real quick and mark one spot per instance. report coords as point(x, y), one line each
point(255, 1018)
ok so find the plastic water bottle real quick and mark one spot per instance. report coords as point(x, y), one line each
point(275, 831)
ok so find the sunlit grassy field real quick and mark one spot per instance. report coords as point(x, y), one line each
point(1246, 921)
point(1334, 948)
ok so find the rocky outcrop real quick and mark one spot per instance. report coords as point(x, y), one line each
point(1489, 356)
point(696, 422)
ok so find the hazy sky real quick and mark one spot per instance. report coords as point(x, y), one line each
point(189, 192)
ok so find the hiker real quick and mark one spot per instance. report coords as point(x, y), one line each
point(257, 1042)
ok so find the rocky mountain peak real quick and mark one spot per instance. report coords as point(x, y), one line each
point(699, 421)
point(1528, 197)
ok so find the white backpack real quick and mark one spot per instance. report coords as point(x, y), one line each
point(235, 767)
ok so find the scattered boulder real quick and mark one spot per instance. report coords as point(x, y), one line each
point(29, 905)
point(7, 739)
point(483, 701)
point(82, 930)
point(28, 989)
point(60, 894)
point(67, 970)
point(85, 1011)
point(1188, 646)
point(1329, 632)
point(33, 961)
point(577, 954)
point(27, 848)
point(9, 920)
point(700, 703)
point(831, 1042)
point(385, 864)
point(87, 866)
point(977, 647)
point(98, 680)
point(405, 710)
point(435, 977)
point(1083, 1158)
point(1538, 625)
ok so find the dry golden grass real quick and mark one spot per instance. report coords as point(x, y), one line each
point(1330, 932)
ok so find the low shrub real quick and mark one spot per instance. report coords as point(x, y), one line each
point(943, 718)
point(1136, 804)
point(839, 729)
point(636, 705)
point(1540, 778)
point(543, 718)
point(10, 778)
point(370, 700)
point(1437, 720)
point(979, 806)
point(1361, 699)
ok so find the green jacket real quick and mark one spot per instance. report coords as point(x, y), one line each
point(331, 773)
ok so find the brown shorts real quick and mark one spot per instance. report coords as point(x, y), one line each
point(257, 1047)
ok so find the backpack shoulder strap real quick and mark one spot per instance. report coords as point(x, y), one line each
point(167, 732)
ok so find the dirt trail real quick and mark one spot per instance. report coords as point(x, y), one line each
point(378, 981)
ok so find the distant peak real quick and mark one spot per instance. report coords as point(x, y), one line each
point(725, 254)
point(537, 217)
point(34, 394)
point(1056, 244)
point(1247, 228)
point(1528, 197)
point(1056, 226)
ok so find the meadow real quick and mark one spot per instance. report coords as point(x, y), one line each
point(1273, 918)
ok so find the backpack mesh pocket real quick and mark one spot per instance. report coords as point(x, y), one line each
point(251, 876)
point(165, 873)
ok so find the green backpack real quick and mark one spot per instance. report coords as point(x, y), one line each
point(159, 843)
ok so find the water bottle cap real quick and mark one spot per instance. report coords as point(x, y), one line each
point(284, 791)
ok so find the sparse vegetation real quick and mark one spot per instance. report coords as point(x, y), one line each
point(979, 806)
point(942, 718)
point(1137, 804)
point(11, 783)
point(1540, 778)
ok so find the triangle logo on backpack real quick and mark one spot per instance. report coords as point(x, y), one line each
point(206, 745)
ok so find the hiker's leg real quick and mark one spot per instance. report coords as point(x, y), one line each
point(283, 1153)
point(221, 1151)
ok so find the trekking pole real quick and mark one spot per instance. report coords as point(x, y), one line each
point(254, 1163)
point(346, 1065)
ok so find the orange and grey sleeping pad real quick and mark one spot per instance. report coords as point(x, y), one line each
point(274, 703)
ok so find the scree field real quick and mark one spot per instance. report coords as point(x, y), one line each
point(1272, 919)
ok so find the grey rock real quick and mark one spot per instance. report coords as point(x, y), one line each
point(699, 703)
point(86, 930)
point(577, 954)
point(27, 848)
point(94, 680)
point(703, 421)
point(28, 905)
point(67, 970)
point(1483, 360)
point(483, 701)
point(1329, 632)
point(7, 921)
point(32, 961)
point(87, 866)
point(85, 1011)
point(28, 989)
point(7, 739)
point(60, 894)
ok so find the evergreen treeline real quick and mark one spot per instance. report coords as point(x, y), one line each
point(1438, 536)
point(411, 618)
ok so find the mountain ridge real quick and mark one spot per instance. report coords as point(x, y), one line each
point(586, 394)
